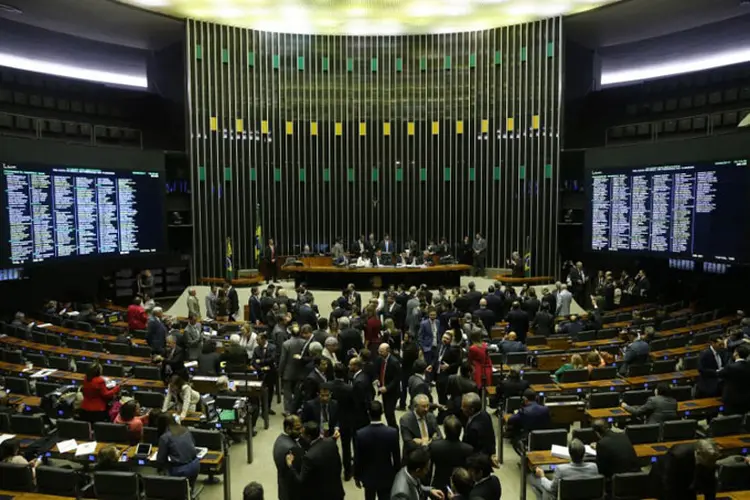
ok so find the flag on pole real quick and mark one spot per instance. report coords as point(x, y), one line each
point(258, 234)
point(527, 259)
point(230, 268)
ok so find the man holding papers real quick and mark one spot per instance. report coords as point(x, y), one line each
point(546, 489)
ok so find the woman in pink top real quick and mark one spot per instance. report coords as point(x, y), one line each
point(130, 416)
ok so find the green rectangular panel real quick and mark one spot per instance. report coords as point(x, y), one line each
point(496, 173)
point(201, 173)
point(326, 175)
point(447, 174)
point(447, 62)
point(275, 61)
point(253, 174)
point(225, 56)
point(302, 175)
point(399, 64)
point(374, 64)
point(422, 174)
point(472, 60)
point(277, 175)
point(551, 49)
point(301, 63)
point(350, 174)
point(349, 64)
point(498, 57)
point(523, 54)
point(548, 171)
point(399, 174)
point(375, 175)
point(472, 174)
point(423, 63)
point(227, 174)
point(251, 59)
point(324, 63)
point(198, 51)
point(522, 172)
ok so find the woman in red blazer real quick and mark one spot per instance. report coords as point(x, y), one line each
point(96, 396)
point(372, 329)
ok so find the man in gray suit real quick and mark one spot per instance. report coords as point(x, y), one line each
point(419, 427)
point(407, 485)
point(193, 337)
point(576, 469)
point(480, 253)
point(658, 408)
point(193, 305)
point(291, 369)
point(564, 299)
point(412, 312)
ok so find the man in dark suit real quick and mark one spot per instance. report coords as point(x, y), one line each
point(324, 411)
point(256, 311)
point(350, 340)
point(572, 327)
point(485, 315)
point(234, 301)
point(447, 364)
point(387, 246)
point(264, 362)
point(736, 392)
point(614, 451)
point(658, 408)
point(543, 324)
point(359, 247)
point(291, 368)
point(518, 321)
point(448, 453)
point(636, 353)
point(578, 279)
point(473, 296)
point(486, 484)
point(686, 470)
point(511, 344)
point(418, 427)
point(532, 416)
point(417, 383)
point(710, 361)
point(408, 483)
point(479, 432)
point(270, 258)
point(343, 393)
point(361, 392)
point(394, 311)
point(494, 302)
point(511, 386)
point(376, 456)
point(388, 369)
point(321, 466)
point(306, 315)
point(463, 302)
point(315, 379)
point(381, 259)
point(352, 297)
point(285, 444)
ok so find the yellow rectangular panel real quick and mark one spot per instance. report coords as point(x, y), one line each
point(435, 128)
point(386, 128)
point(239, 125)
point(459, 127)
point(485, 126)
point(313, 128)
point(214, 123)
point(535, 122)
point(264, 127)
point(410, 128)
point(289, 128)
point(362, 128)
point(339, 128)
point(510, 124)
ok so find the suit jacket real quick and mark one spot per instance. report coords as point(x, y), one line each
point(362, 396)
point(269, 255)
point(321, 470)
point(487, 318)
point(495, 304)
point(426, 335)
point(658, 409)
point(518, 321)
point(397, 314)
point(156, 335)
point(412, 317)
point(615, 454)
point(409, 425)
point(569, 471)
point(564, 299)
point(479, 433)
point(349, 339)
point(463, 303)
point(446, 455)
point(311, 384)
point(343, 393)
point(306, 316)
point(263, 357)
point(679, 478)
point(473, 296)
point(708, 384)
point(256, 311)
point(406, 487)
point(234, 301)
point(531, 417)
point(387, 247)
point(418, 385)
point(508, 346)
point(392, 375)
point(636, 353)
point(736, 392)
point(311, 413)
point(376, 456)
point(451, 355)
point(487, 488)
point(290, 368)
point(288, 488)
point(543, 324)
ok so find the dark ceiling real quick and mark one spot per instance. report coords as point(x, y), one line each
point(99, 20)
point(636, 20)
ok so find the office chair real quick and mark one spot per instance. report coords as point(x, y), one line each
point(73, 343)
point(58, 481)
point(111, 433)
point(631, 486)
point(636, 398)
point(38, 360)
point(150, 436)
point(147, 372)
point(543, 440)
point(585, 434)
point(537, 377)
point(679, 430)
point(58, 363)
point(591, 488)
point(663, 366)
point(117, 486)
point(14, 357)
point(44, 388)
point(17, 385)
point(117, 348)
point(90, 345)
point(74, 429)
point(643, 433)
point(603, 373)
point(516, 358)
point(27, 424)
point(149, 399)
point(109, 370)
point(725, 425)
point(571, 376)
point(733, 477)
point(16, 477)
point(604, 400)
point(83, 366)
point(165, 488)
point(639, 370)
point(681, 393)
point(141, 351)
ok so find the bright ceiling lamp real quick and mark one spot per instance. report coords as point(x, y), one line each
point(676, 67)
point(65, 70)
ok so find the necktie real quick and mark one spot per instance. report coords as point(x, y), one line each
point(718, 360)
point(423, 429)
point(382, 373)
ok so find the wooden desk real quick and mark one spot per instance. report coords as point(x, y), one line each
point(99, 337)
point(683, 408)
point(507, 279)
point(336, 278)
point(677, 353)
point(77, 378)
point(75, 353)
point(721, 322)
point(30, 401)
point(653, 380)
point(213, 459)
point(254, 280)
point(616, 384)
point(21, 495)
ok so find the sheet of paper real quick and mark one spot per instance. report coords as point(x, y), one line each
point(45, 325)
point(560, 451)
point(67, 445)
point(5, 437)
point(202, 452)
point(590, 451)
point(152, 458)
point(43, 373)
point(86, 448)
point(190, 364)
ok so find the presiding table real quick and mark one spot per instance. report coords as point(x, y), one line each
point(329, 277)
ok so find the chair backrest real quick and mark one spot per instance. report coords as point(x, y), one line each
point(544, 439)
point(636, 398)
point(18, 385)
point(690, 363)
point(639, 370)
point(537, 377)
point(726, 425)
point(73, 343)
point(659, 345)
point(53, 339)
point(516, 358)
point(571, 376)
point(69, 323)
point(734, 477)
point(39, 337)
point(142, 351)
point(147, 372)
point(603, 373)
point(102, 329)
point(645, 433)
point(111, 433)
point(82, 366)
point(165, 488)
point(27, 424)
point(58, 363)
point(678, 341)
point(57, 481)
point(604, 400)
point(117, 348)
point(663, 366)
point(90, 345)
point(117, 486)
point(16, 477)
point(590, 488)
point(226, 402)
point(149, 399)
point(86, 327)
point(212, 440)
point(512, 404)
point(44, 388)
point(109, 370)
point(586, 336)
point(561, 398)
point(15, 357)
point(585, 434)
point(150, 436)
point(4, 423)
point(74, 429)
point(38, 360)
point(677, 430)
point(631, 486)
point(681, 393)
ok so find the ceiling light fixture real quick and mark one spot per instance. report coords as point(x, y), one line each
point(65, 70)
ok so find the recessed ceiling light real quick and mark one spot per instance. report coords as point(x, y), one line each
point(153, 3)
point(10, 9)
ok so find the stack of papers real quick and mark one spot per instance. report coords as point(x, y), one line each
point(86, 448)
point(67, 446)
point(5, 437)
point(43, 373)
point(562, 451)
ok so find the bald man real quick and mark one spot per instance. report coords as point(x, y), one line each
point(511, 344)
point(485, 315)
point(388, 370)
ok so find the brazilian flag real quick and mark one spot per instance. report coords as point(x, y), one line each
point(527, 264)
point(230, 267)
point(258, 235)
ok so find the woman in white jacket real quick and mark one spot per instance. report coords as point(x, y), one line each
point(248, 339)
point(181, 397)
